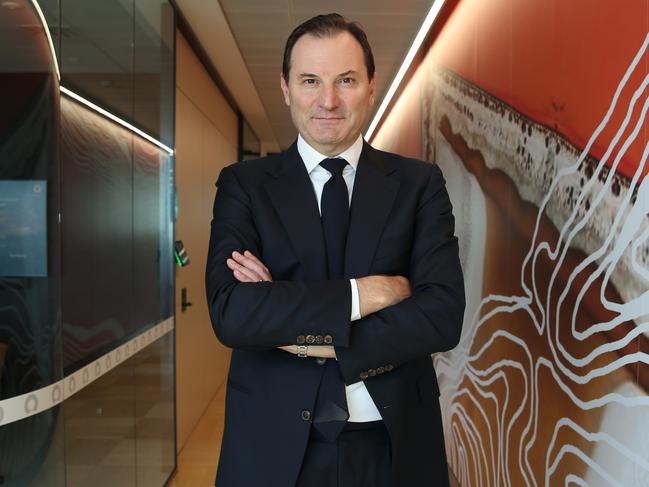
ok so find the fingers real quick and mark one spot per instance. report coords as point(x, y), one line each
point(251, 262)
point(289, 348)
point(247, 267)
point(318, 351)
point(322, 351)
point(241, 273)
point(257, 262)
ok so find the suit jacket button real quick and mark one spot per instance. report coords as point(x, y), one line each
point(319, 339)
point(300, 340)
point(389, 367)
point(321, 360)
point(380, 370)
point(371, 372)
point(306, 415)
point(328, 339)
point(310, 339)
point(364, 375)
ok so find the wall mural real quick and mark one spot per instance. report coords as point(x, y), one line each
point(548, 385)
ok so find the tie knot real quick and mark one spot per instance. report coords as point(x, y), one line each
point(334, 165)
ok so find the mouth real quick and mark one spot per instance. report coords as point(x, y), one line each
point(327, 119)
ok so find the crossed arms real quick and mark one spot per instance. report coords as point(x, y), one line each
point(374, 292)
point(401, 319)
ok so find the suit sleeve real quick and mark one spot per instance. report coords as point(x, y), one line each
point(430, 320)
point(264, 315)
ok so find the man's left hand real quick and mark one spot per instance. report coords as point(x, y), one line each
point(318, 351)
point(247, 267)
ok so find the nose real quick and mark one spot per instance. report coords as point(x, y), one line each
point(329, 98)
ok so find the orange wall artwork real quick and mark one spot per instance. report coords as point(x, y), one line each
point(536, 112)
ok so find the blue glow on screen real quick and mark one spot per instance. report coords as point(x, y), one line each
point(23, 228)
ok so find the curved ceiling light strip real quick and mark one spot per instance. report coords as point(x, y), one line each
point(88, 103)
point(115, 119)
point(416, 44)
point(55, 61)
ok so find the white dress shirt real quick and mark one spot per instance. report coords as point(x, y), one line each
point(359, 403)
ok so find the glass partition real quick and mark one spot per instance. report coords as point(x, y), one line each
point(86, 239)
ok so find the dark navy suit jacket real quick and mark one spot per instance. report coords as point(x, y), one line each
point(401, 224)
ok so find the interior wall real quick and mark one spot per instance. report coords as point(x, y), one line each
point(206, 141)
point(536, 113)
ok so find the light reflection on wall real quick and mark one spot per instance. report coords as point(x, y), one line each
point(544, 149)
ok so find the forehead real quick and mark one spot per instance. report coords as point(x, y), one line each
point(327, 55)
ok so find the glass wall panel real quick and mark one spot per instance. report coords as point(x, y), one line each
point(154, 412)
point(153, 260)
point(97, 247)
point(97, 52)
point(50, 9)
point(32, 451)
point(100, 431)
point(153, 74)
point(29, 242)
point(86, 238)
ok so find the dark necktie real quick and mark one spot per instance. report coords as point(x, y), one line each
point(331, 404)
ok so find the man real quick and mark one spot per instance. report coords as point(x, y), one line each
point(332, 312)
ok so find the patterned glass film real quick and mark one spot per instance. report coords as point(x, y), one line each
point(116, 185)
point(86, 235)
point(29, 242)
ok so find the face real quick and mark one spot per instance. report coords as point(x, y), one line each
point(328, 91)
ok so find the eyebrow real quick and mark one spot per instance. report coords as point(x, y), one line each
point(311, 75)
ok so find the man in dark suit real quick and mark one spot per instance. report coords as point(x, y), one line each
point(332, 310)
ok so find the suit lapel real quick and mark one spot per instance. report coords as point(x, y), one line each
point(375, 188)
point(291, 193)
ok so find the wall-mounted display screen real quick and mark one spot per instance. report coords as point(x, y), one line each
point(23, 228)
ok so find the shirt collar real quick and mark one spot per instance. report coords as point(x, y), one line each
point(312, 157)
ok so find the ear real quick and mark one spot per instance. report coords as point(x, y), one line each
point(284, 86)
point(372, 90)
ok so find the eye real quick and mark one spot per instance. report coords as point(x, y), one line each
point(347, 81)
point(309, 81)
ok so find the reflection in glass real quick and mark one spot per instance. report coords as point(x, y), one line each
point(97, 246)
point(154, 411)
point(153, 68)
point(97, 52)
point(50, 9)
point(29, 307)
point(110, 192)
point(100, 431)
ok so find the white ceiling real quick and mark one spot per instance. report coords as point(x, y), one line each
point(260, 28)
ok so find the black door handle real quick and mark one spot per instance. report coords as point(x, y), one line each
point(184, 304)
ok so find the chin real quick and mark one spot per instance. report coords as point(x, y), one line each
point(326, 139)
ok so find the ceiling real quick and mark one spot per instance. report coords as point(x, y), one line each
point(260, 28)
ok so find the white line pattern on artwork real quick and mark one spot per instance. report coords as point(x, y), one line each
point(595, 210)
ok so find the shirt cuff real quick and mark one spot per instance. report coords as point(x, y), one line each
point(356, 304)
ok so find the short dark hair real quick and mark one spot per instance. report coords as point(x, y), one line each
point(324, 26)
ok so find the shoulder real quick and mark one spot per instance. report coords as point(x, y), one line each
point(251, 167)
point(251, 171)
point(408, 167)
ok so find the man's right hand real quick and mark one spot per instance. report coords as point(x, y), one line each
point(378, 292)
point(374, 292)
